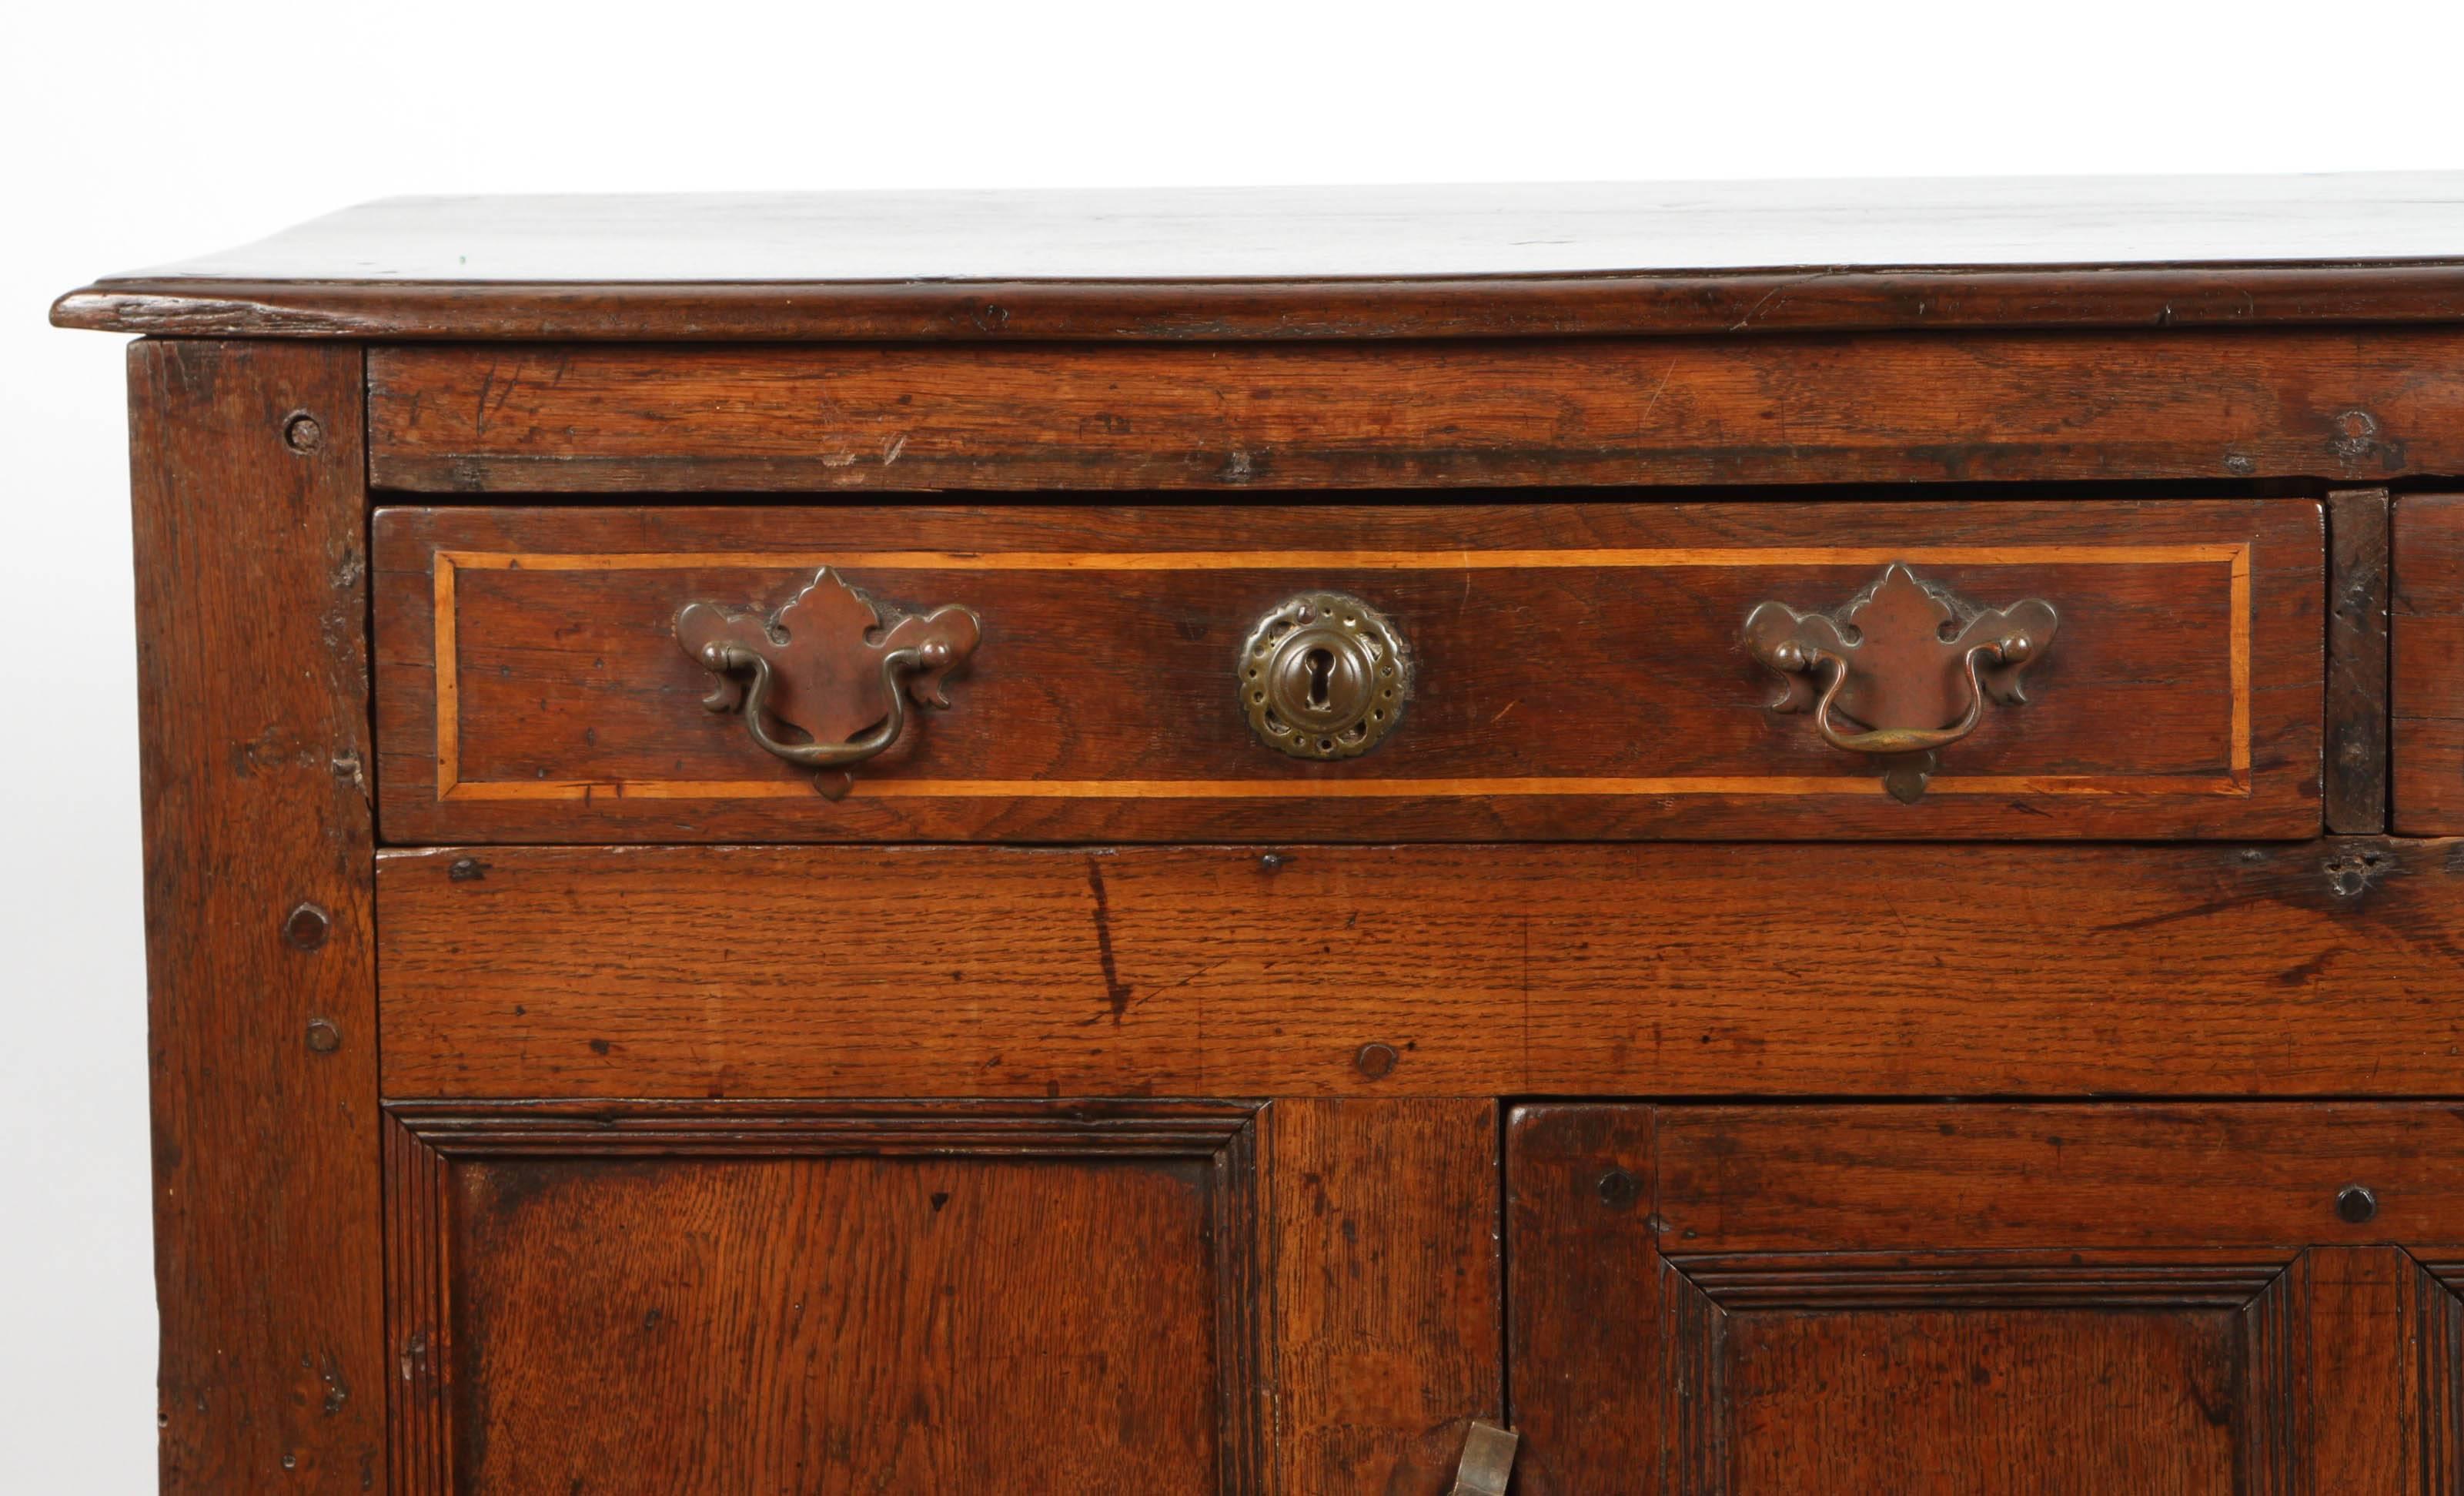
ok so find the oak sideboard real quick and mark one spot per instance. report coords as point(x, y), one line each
point(1631, 838)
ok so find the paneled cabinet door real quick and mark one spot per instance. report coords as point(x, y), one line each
point(823, 1297)
point(1986, 1298)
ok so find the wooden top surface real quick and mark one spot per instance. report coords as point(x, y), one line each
point(1331, 262)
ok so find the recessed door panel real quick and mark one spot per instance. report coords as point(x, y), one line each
point(824, 1300)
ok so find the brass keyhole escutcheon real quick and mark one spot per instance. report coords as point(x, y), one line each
point(1323, 676)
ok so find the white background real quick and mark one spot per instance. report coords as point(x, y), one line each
point(138, 133)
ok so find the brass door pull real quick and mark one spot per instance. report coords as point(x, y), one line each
point(1907, 661)
point(830, 664)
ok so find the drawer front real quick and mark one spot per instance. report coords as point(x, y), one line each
point(1235, 417)
point(1899, 970)
point(1561, 671)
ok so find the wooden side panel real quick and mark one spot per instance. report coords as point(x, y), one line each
point(1386, 1333)
point(1884, 970)
point(1578, 671)
point(1585, 1332)
point(2355, 775)
point(1985, 1299)
point(253, 695)
point(688, 1300)
point(2356, 405)
point(2429, 664)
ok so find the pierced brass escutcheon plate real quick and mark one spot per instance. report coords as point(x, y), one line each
point(1323, 676)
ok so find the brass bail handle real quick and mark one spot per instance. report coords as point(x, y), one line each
point(831, 663)
point(729, 659)
point(1880, 663)
point(1907, 740)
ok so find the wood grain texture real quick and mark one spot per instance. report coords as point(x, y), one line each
point(1983, 1298)
point(1585, 1342)
point(2434, 1318)
point(2150, 1175)
point(253, 694)
point(1348, 261)
point(2346, 405)
point(830, 1298)
point(2024, 1373)
point(2427, 669)
point(2355, 762)
point(1387, 1296)
point(1578, 671)
point(1693, 970)
point(1959, 1400)
point(2384, 1358)
point(419, 1320)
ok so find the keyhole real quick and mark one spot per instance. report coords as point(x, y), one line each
point(1321, 667)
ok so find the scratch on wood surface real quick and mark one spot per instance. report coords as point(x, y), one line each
point(1666, 375)
point(1116, 991)
point(1746, 322)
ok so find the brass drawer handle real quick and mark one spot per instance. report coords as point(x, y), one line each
point(1909, 663)
point(829, 664)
